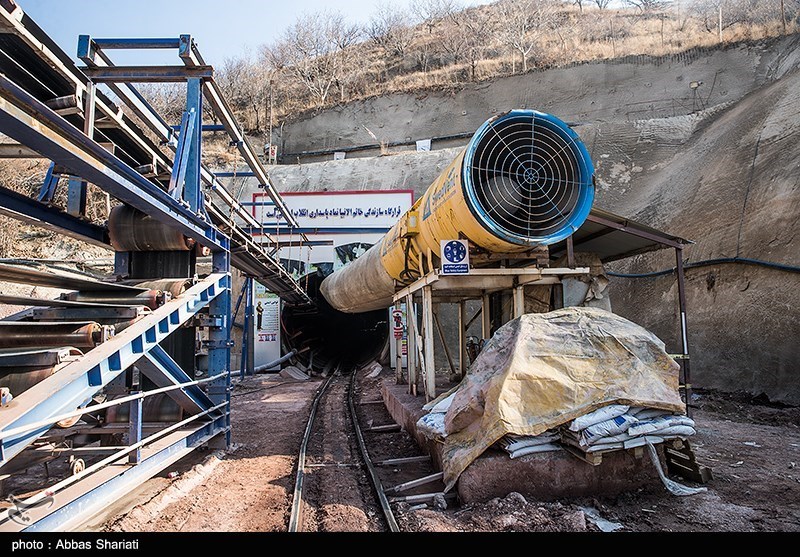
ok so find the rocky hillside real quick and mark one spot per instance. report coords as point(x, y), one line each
point(325, 59)
point(723, 172)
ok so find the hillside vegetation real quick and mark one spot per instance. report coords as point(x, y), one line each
point(322, 59)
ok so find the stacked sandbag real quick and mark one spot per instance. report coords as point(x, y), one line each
point(617, 426)
point(521, 445)
point(431, 425)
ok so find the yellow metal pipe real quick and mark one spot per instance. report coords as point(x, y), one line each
point(525, 179)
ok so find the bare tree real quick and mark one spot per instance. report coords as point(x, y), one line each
point(602, 4)
point(432, 12)
point(344, 36)
point(719, 15)
point(452, 39)
point(167, 98)
point(317, 50)
point(647, 5)
point(235, 77)
point(579, 3)
point(422, 56)
point(521, 24)
point(390, 28)
point(478, 34)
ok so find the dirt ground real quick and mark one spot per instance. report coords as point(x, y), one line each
point(250, 488)
point(752, 446)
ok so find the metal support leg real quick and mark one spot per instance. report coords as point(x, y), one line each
point(462, 339)
point(48, 188)
point(430, 363)
point(194, 102)
point(247, 332)
point(82, 189)
point(219, 351)
point(687, 380)
point(76, 197)
point(135, 428)
point(239, 300)
point(444, 343)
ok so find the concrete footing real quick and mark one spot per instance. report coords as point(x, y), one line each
point(542, 476)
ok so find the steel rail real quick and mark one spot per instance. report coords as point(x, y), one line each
point(373, 474)
point(296, 516)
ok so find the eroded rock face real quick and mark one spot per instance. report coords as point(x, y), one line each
point(719, 168)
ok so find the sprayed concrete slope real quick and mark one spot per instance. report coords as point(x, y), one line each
point(727, 177)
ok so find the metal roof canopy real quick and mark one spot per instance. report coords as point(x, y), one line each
point(613, 237)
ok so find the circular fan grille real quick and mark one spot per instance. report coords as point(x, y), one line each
point(530, 177)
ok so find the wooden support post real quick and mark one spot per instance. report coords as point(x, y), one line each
point(411, 347)
point(444, 343)
point(398, 370)
point(430, 364)
point(570, 252)
point(486, 317)
point(419, 345)
point(462, 339)
point(519, 301)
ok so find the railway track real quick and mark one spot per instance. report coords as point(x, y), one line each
point(337, 487)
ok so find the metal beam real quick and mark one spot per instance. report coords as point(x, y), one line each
point(127, 93)
point(147, 74)
point(105, 486)
point(17, 151)
point(635, 231)
point(192, 193)
point(29, 211)
point(29, 121)
point(245, 174)
point(134, 44)
point(191, 58)
point(206, 128)
point(178, 176)
point(163, 371)
point(78, 381)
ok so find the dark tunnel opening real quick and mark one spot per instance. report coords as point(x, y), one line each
point(326, 338)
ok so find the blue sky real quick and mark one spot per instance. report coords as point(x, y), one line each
point(221, 28)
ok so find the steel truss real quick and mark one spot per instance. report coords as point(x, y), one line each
point(55, 110)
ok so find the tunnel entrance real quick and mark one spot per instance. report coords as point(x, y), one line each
point(325, 337)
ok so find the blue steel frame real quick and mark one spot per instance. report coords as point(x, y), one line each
point(247, 292)
point(25, 118)
point(77, 382)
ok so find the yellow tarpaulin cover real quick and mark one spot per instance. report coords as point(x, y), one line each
point(545, 369)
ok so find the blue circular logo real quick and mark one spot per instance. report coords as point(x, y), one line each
point(455, 252)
